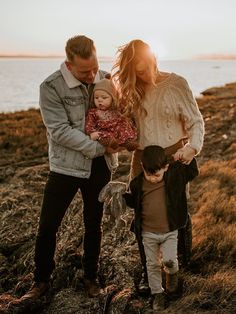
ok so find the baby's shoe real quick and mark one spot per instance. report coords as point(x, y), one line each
point(131, 145)
point(109, 142)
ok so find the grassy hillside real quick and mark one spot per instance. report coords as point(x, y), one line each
point(208, 283)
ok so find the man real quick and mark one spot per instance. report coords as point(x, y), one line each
point(76, 162)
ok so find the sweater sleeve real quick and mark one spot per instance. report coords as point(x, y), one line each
point(191, 115)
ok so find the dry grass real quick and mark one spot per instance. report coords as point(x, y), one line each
point(22, 137)
point(208, 284)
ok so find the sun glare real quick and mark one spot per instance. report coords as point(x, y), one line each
point(157, 48)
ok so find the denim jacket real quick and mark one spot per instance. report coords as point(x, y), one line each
point(64, 102)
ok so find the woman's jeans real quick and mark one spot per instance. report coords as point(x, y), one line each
point(58, 194)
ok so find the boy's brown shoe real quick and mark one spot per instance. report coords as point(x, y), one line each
point(158, 303)
point(92, 287)
point(37, 290)
point(172, 283)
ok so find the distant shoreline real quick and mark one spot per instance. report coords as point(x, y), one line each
point(111, 59)
point(28, 57)
point(101, 59)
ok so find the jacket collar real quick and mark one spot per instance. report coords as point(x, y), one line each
point(69, 78)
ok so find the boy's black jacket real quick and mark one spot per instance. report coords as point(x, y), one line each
point(176, 178)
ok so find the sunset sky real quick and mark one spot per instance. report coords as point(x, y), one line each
point(176, 29)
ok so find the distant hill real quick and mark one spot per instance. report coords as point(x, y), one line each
point(216, 57)
point(29, 56)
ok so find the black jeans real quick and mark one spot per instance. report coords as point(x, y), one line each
point(58, 194)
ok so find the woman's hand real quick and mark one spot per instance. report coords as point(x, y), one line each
point(185, 154)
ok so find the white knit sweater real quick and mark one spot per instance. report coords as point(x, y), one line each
point(172, 114)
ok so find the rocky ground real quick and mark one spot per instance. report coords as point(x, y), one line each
point(209, 281)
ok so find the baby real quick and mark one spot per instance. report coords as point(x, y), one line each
point(105, 123)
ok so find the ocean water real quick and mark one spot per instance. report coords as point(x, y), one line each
point(20, 78)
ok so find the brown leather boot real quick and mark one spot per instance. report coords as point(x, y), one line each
point(92, 287)
point(158, 303)
point(37, 290)
point(172, 283)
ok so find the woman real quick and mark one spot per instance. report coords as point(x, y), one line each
point(163, 107)
point(162, 103)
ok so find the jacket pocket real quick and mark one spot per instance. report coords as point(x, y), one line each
point(57, 152)
point(75, 109)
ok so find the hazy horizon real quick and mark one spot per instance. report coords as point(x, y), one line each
point(111, 59)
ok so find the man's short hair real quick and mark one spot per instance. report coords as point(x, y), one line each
point(153, 158)
point(79, 46)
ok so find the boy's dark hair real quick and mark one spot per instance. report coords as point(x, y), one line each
point(153, 158)
point(79, 46)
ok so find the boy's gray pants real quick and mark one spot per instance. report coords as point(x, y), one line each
point(160, 250)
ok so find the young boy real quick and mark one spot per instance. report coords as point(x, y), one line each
point(105, 123)
point(159, 200)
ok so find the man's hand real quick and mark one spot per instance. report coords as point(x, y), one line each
point(185, 154)
point(94, 136)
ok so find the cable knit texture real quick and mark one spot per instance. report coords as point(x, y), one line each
point(167, 104)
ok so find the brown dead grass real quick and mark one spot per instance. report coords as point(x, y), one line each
point(208, 284)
